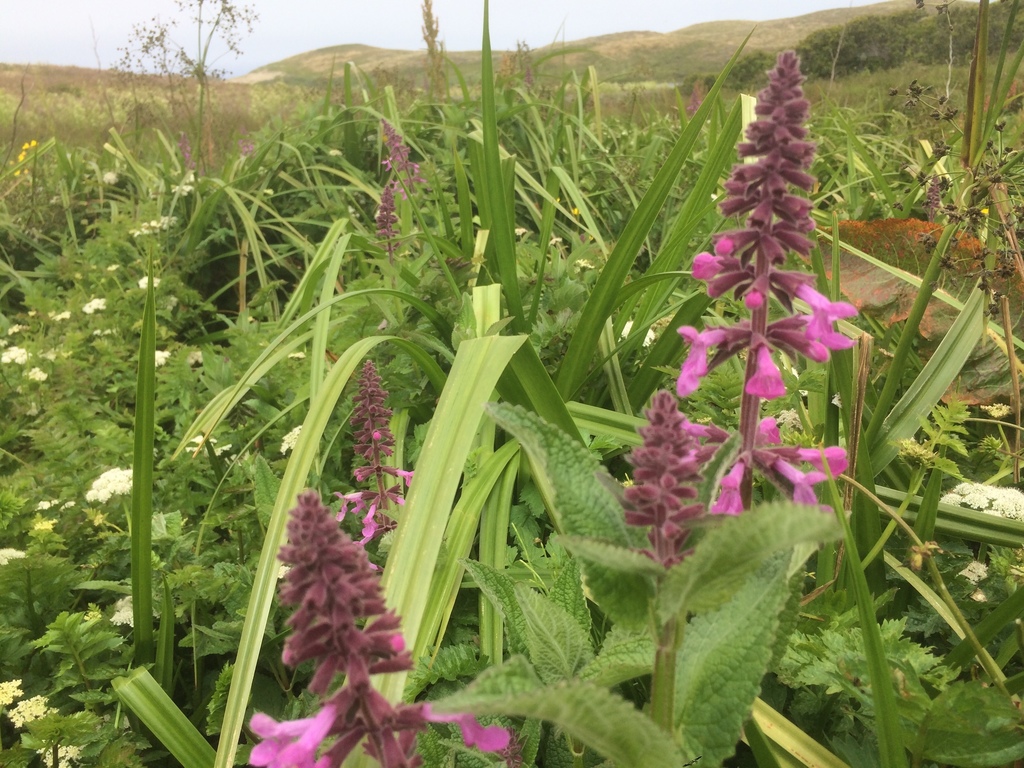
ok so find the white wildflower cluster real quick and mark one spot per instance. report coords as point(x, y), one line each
point(144, 282)
point(334, 152)
point(50, 354)
point(182, 189)
point(110, 178)
point(288, 441)
point(162, 356)
point(29, 710)
point(975, 572)
point(297, 356)
point(67, 755)
point(997, 410)
point(156, 225)
point(122, 614)
point(10, 692)
point(103, 332)
point(1004, 502)
point(37, 374)
point(7, 554)
point(42, 506)
point(195, 357)
point(16, 329)
point(113, 482)
point(95, 305)
point(113, 268)
point(60, 317)
point(15, 355)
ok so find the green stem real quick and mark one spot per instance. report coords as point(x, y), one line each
point(663, 679)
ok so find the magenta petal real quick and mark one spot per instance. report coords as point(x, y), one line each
point(490, 738)
point(290, 743)
point(706, 266)
point(769, 430)
point(730, 502)
point(833, 455)
point(766, 381)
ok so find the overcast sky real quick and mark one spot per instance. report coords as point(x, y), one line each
point(79, 32)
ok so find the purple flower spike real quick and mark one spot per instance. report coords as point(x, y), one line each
point(292, 743)
point(491, 738)
point(767, 380)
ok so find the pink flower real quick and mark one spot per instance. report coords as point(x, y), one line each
point(290, 743)
point(696, 364)
point(769, 430)
point(824, 313)
point(803, 490)
point(833, 455)
point(730, 502)
point(706, 266)
point(766, 381)
point(491, 738)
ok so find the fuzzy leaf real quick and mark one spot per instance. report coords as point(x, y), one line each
point(625, 655)
point(611, 556)
point(730, 552)
point(557, 645)
point(588, 713)
point(723, 658)
point(582, 506)
point(499, 588)
point(972, 726)
point(567, 592)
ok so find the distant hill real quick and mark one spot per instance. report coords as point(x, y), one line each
point(623, 57)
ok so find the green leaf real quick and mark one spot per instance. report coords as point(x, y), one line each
point(730, 552)
point(611, 556)
point(499, 588)
point(626, 654)
point(722, 660)
point(567, 593)
point(972, 726)
point(141, 693)
point(569, 475)
point(557, 645)
point(588, 713)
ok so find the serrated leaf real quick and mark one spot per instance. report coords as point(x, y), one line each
point(611, 556)
point(499, 588)
point(557, 645)
point(730, 552)
point(567, 592)
point(715, 469)
point(972, 726)
point(722, 660)
point(582, 507)
point(590, 714)
point(625, 655)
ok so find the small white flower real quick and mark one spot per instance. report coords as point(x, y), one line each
point(60, 317)
point(123, 612)
point(67, 505)
point(182, 189)
point(3, 343)
point(16, 329)
point(113, 482)
point(103, 332)
point(788, 419)
point(975, 572)
point(837, 401)
point(37, 374)
point(67, 755)
point(582, 264)
point(268, 192)
point(7, 554)
point(289, 440)
point(995, 500)
point(997, 410)
point(50, 354)
point(95, 305)
point(33, 410)
point(113, 268)
point(144, 282)
point(15, 355)
point(195, 357)
point(297, 356)
point(10, 691)
point(555, 240)
point(29, 710)
point(110, 178)
point(335, 153)
point(42, 506)
point(282, 570)
point(520, 231)
point(162, 356)
point(979, 596)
